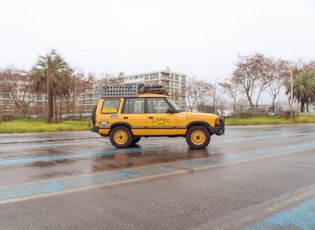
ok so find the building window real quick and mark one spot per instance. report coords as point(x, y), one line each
point(154, 76)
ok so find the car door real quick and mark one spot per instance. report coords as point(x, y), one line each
point(159, 120)
point(133, 114)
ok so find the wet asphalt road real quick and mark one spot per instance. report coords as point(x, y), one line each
point(255, 177)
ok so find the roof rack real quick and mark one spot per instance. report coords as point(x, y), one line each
point(128, 90)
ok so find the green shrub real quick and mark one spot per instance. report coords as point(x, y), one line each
point(270, 120)
point(39, 125)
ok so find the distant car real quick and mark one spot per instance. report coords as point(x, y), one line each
point(37, 116)
point(128, 112)
point(75, 116)
point(272, 114)
point(66, 116)
point(85, 115)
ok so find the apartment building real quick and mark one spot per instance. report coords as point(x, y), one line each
point(173, 80)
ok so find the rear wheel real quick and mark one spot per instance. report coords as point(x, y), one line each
point(121, 137)
point(198, 137)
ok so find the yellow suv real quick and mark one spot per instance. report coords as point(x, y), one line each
point(128, 112)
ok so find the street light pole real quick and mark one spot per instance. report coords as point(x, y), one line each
point(291, 101)
point(214, 96)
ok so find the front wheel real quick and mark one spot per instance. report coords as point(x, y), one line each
point(121, 137)
point(135, 140)
point(198, 137)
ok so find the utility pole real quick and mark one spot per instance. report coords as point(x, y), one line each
point(214, 96)
point(291, 101)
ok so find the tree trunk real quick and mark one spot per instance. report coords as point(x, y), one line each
point(49, 94)
point(273, 104)
point(249, 99)
point(302, 105)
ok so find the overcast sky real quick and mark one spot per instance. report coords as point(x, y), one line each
point(201, 38)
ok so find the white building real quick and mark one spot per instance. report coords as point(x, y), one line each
point(173, 80)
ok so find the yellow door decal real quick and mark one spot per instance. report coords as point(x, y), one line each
point(161, 121)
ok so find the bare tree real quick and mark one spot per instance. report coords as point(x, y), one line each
point(241, 105)
point(16, 84)
point(196, 90)
point(80, 83)
point(309, 67)
point(280, 70)
point(232, 89)
point(253, 74)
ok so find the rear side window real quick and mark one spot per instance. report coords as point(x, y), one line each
point(110, 106)
point(134, 105)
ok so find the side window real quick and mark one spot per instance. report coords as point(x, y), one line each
point(134, 105)
point(157, 105)
point(110, 106)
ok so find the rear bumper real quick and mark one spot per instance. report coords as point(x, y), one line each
point(94, 129)
point(220, 128)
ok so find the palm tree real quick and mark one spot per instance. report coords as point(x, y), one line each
point(51, 75)
point(303, 89)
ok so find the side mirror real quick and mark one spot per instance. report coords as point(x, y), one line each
point(170, 111)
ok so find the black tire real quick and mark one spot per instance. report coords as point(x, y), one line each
point(198, 137)
point(135, 140)
point(121, 137)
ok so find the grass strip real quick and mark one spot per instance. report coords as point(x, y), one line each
point(39, 125)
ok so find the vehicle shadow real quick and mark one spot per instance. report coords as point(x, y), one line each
point(146, 158)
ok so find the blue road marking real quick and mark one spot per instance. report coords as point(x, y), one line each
point(19, 191)
point(29, 190)
point(36, 140)
point(40, 146)
point(67, 156)
point(302, 217)
point(166, 169)
point(286, 148)
point(235, 157)
point(25, 140)
point(263, 137)
point(63, 185)
point(53, 186)
point(155, 170)
point(127, 174)
point(199, 162)
point(241, 139)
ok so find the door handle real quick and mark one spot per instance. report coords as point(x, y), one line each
point(125, 117)
point(150, 117)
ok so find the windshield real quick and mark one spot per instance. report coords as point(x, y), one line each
point(173, 104)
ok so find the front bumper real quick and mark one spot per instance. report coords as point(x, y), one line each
point(219, 128)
